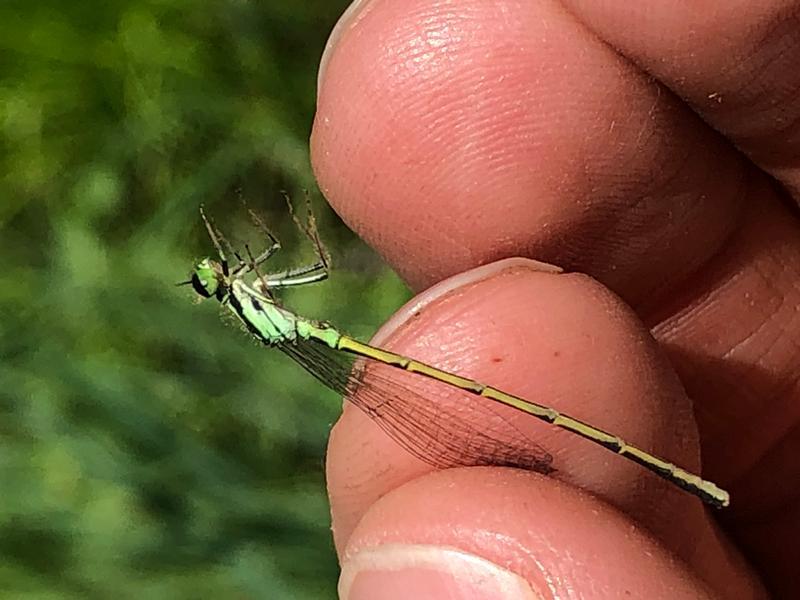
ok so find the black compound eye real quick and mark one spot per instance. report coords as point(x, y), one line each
point(201, 286)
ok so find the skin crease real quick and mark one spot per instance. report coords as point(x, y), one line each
point(597, 137)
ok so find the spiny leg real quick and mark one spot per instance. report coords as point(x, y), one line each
point(296, 276)
point(275, 244)
point(306, 274)
point(219, 240)
point(212, 234)
point(299, 276)
point(261, 283)
point(292, 277)
point(309, 229)
point(291, 273)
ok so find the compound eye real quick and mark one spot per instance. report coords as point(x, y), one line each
point(203, 286)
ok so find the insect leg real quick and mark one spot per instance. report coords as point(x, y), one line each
point(309, 229)
point(275, 244)
point(219, 241)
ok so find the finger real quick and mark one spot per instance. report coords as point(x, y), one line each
point(503, 533)
point(561, 340)
point(449, 139)
point(734, 62)
point(732, 333)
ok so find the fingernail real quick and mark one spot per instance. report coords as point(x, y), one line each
point(399, 571)
point(348, 19)
point(456, 281)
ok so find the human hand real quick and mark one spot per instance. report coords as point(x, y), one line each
point(451, 135)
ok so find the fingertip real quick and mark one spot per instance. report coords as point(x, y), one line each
point(503, 533)
point(444, 287)
point(381, 146)
point(560, 339)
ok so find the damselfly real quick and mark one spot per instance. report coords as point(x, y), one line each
point(433, 432)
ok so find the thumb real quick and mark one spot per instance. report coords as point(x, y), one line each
point(558, 339)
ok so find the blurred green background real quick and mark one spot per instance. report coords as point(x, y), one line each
point(149, 449)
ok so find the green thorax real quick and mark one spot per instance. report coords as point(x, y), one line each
point(274, 324)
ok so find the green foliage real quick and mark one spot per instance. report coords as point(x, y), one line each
point(147, 448)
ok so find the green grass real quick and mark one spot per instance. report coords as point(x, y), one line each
point(149, 449)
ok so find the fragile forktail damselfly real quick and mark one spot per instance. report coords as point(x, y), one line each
point(434, 433)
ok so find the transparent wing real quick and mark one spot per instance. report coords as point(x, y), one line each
point(442, 434)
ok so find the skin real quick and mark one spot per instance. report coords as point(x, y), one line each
point(652, 150)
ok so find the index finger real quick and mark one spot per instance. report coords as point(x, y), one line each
point(451, 139)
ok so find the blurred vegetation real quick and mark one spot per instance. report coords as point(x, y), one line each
point(148, 449)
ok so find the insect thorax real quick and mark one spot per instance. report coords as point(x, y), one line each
point(271, 323)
